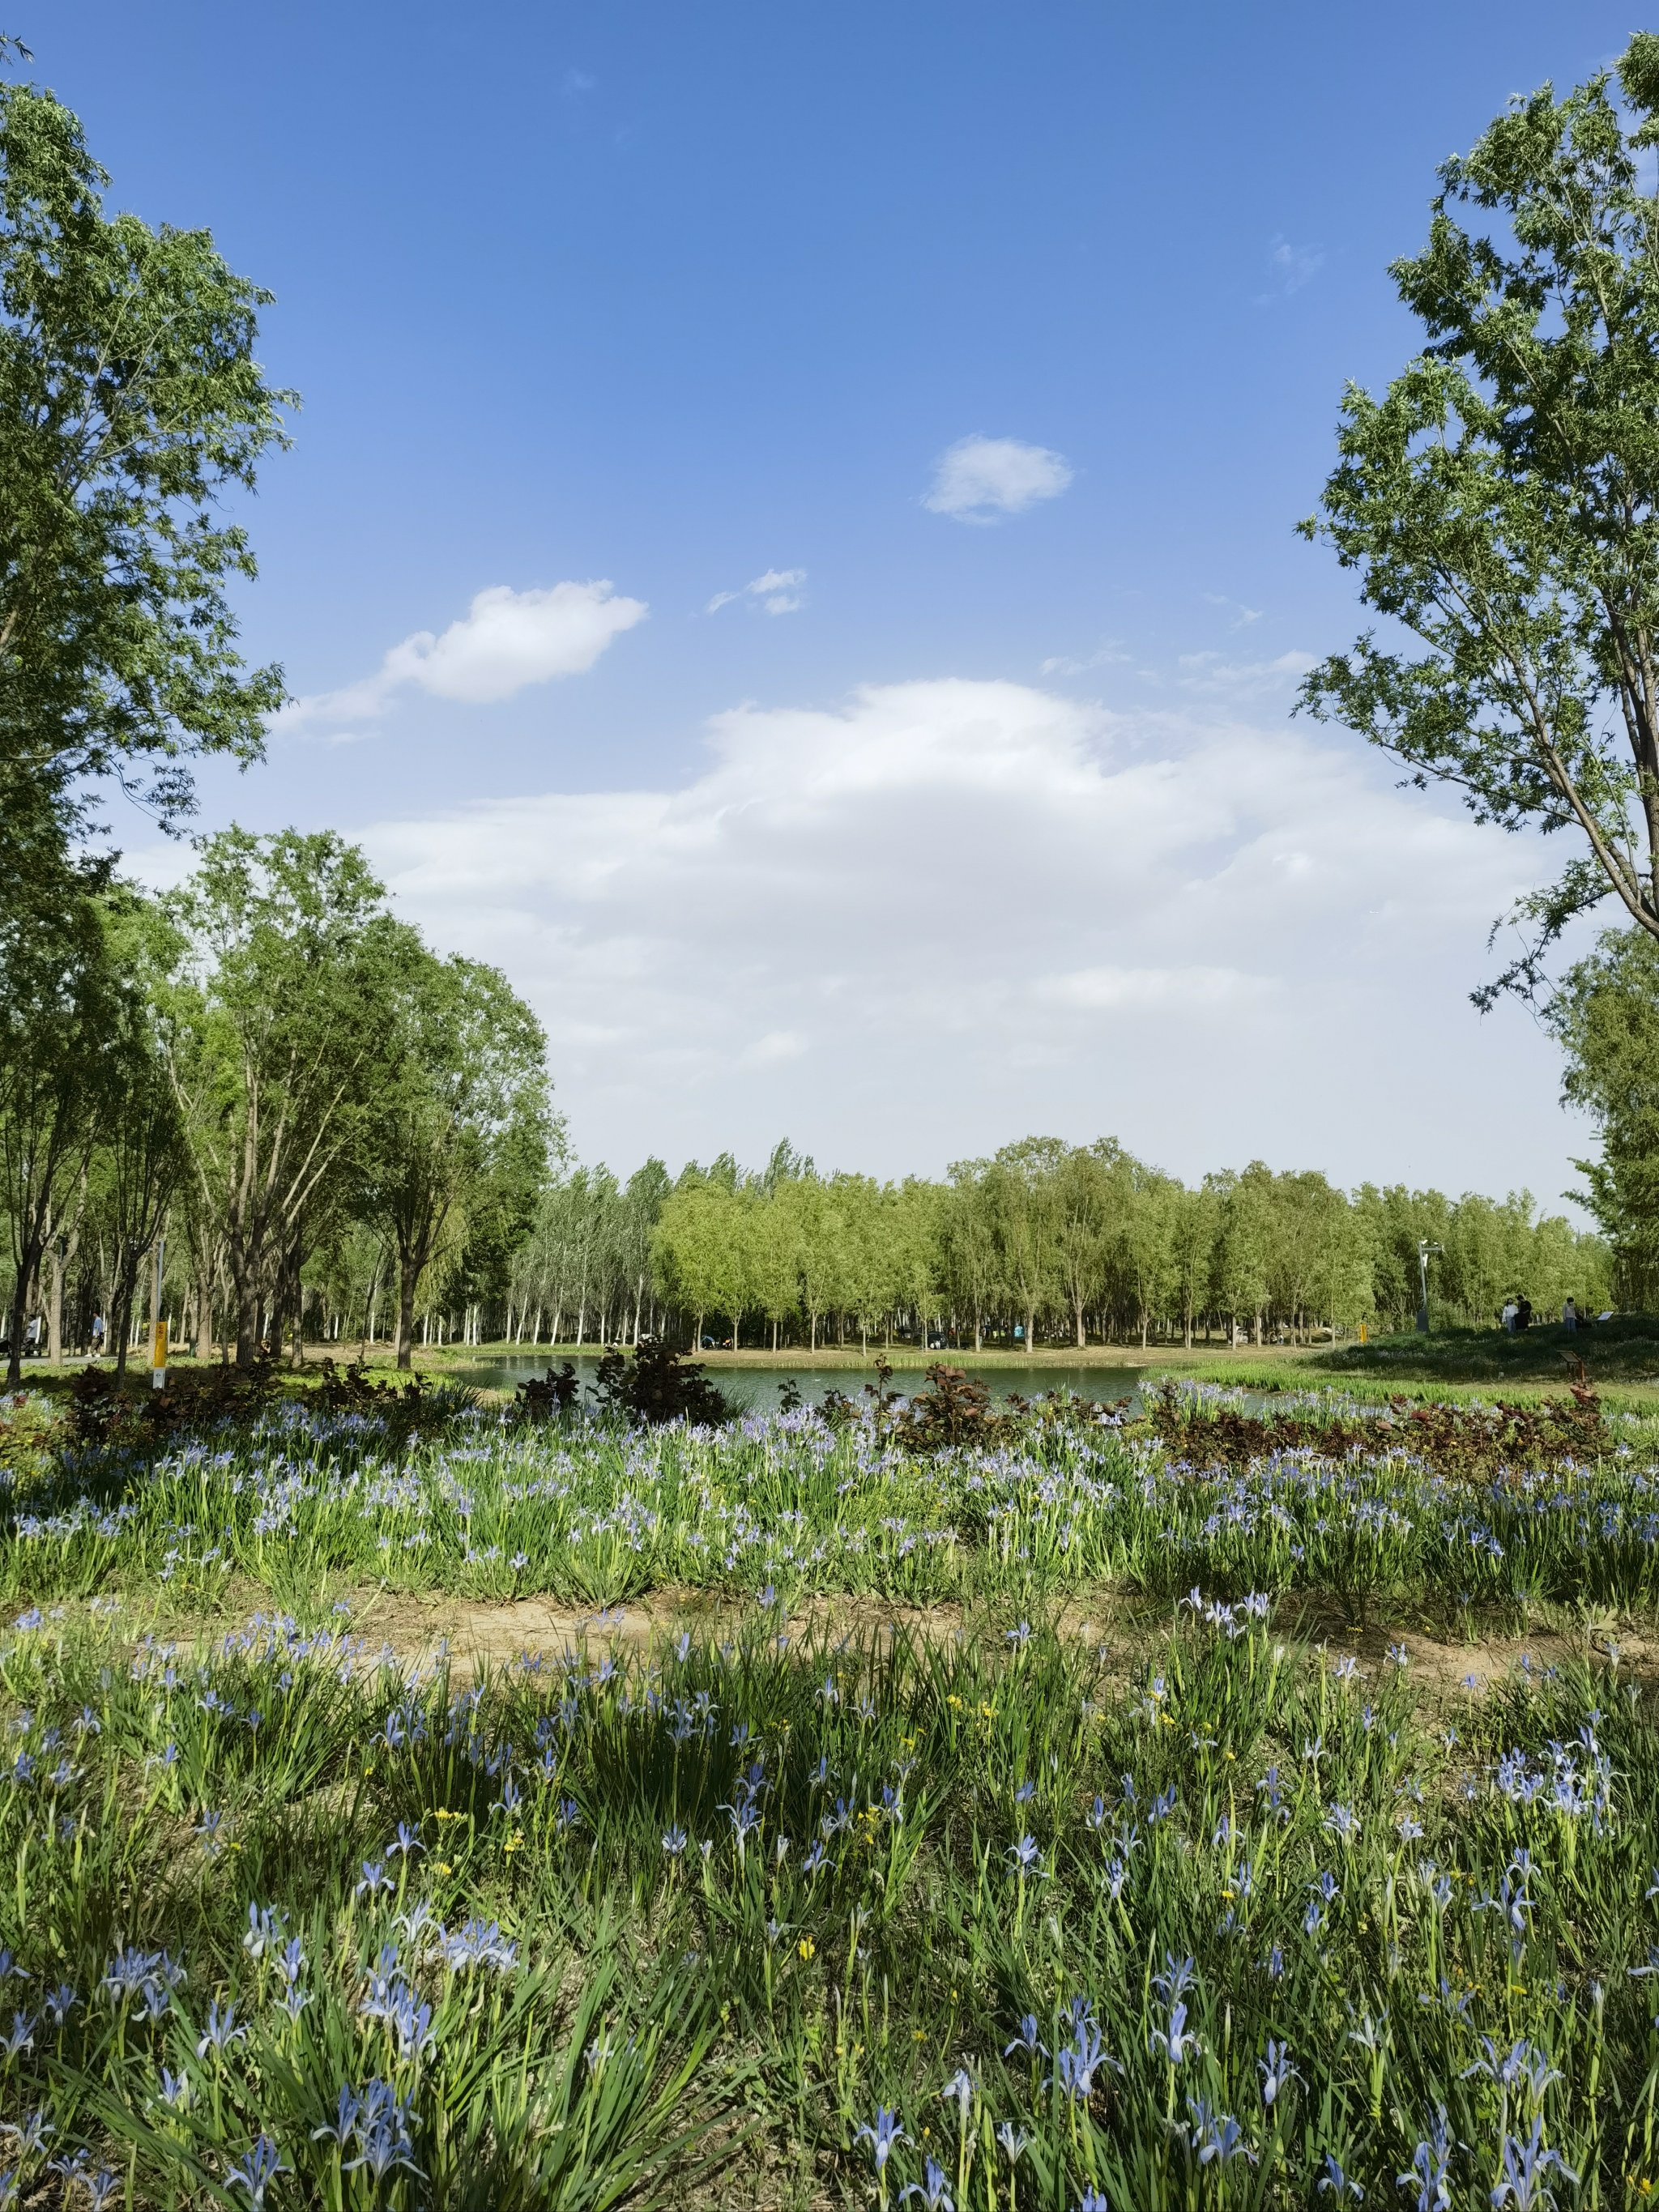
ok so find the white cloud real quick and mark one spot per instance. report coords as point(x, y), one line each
point(1289, 267)
point(946, 914)
point(1242, 616)
point(779, 592)
point(506, 641)
point(978, 479)
point(1217, 677)
point(1109, 656)
point(1197, 985)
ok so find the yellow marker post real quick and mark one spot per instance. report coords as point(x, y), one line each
point(158, 1326)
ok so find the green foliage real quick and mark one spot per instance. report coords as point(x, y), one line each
point(1607, 1016)
point(603, 1928)
point(1501, 501)
point(129, 403)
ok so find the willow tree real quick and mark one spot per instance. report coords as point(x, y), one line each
point(1500, 503)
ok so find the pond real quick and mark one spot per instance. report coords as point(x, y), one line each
point(759, 1388)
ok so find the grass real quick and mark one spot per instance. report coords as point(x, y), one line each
point(1206, 1916)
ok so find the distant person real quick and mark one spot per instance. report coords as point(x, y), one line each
point(1524, 1313)
point(1570, 1317)
point(1508, 1317)
point(97, 1334)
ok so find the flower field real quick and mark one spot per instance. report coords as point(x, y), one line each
point(984, 1913)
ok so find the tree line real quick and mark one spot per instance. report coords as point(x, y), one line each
point(268, 1072)
point(1044, 1242)
point(336, 1134)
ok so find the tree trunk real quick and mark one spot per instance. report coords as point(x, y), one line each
point(1077, 1309)
point(55, 1305)
point(1030, 1329)
point(409, 1276)
point(979, 1330)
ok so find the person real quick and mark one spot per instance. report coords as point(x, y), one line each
point(1508, 1317)
point(1524, 1313)
point(1570, 1316)
point(97, 1334)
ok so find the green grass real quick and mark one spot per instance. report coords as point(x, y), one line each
point(682, 1925)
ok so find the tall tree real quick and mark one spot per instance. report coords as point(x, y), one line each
point(1501, 501)
point(59, 1017)
point(1607, 1016)
point(130, 402)
point(138, 1139)
point(275, 1030)
point(459, 1128)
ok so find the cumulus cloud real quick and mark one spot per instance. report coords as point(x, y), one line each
point(506, 641)
point(779, 592)
point(945, 913)
point(979, 479)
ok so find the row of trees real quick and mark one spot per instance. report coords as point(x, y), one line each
point(275, 1073)
point(1044, 1242)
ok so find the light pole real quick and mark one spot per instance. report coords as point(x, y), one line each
point(1424, 1248)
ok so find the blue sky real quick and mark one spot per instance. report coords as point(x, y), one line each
point(965, 823)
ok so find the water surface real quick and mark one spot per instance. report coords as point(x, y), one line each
point(760, 1388)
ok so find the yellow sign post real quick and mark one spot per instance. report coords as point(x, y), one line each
point(158, 1326)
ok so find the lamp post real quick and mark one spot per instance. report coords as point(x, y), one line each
point(1424, 1248)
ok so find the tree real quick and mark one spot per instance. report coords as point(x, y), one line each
point(1501, 501)
point(1607, 1016)
point(1144, 1238)
point(460, 1127)
point(1192, 1227)
point(1083, 1191)
point(274, 1024)
point(1020, 1187)
point(969, 1244)
point(138, 1141)
point(58, 1021)
point(1243, 1239)
point(129, 402)
point(699, 1249)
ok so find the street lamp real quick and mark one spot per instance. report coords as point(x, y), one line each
point(1424, 1248)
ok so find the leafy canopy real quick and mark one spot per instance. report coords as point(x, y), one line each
point(129, 402)
point(1500, 502)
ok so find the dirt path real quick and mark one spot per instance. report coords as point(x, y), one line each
point(477, 1638)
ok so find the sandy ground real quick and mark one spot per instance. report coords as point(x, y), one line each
point(481, 1638)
